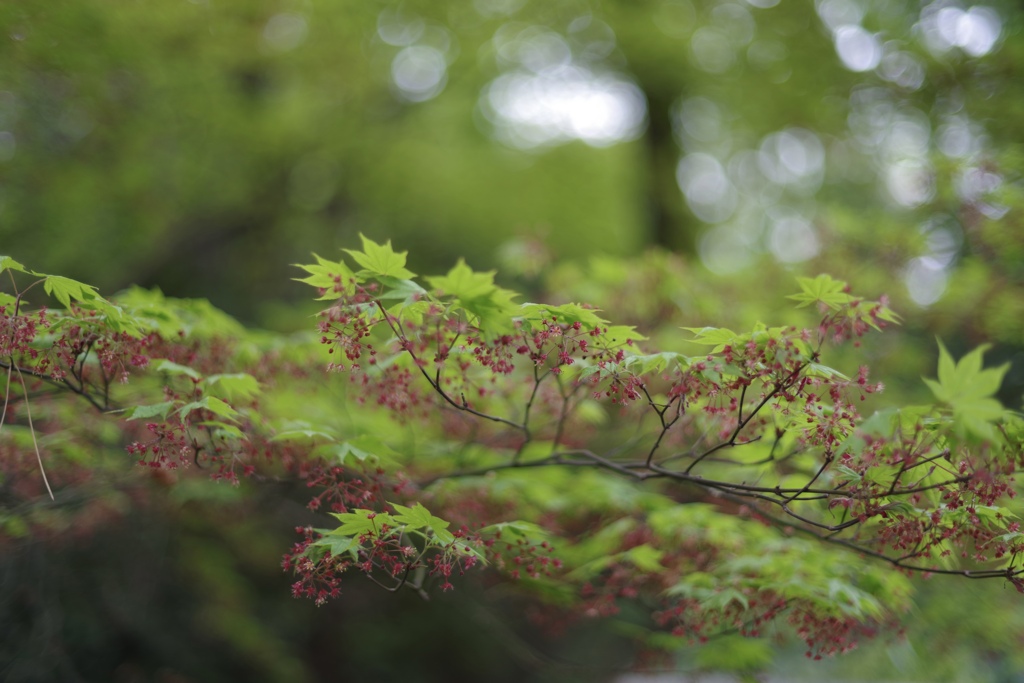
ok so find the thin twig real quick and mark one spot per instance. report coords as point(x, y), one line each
point(32, 431)
point(731, 441)
point(7, 395)
point(436, 385)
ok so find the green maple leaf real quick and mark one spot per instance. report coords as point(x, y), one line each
point(565, 313)
point(339, 546)
point(478, 295)
point(360, 521)
point(644, 557)
point(7, 263)
point(326, 275)
point(238, 385)
point(363, 448)
point(214, 405)
point(464, 283)
point(616, 335)
point(157, 409)
point(172, 368)
point(823, 288)
point(418, 517)
point(718, 337)
point(302, 435)
point(65, 289)
point(969, 390)
point(381, 259)
point(657, 362)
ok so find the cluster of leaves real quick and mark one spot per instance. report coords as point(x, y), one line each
point(759, 425)
point(733, 490)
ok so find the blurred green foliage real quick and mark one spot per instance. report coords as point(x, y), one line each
point(203, 146)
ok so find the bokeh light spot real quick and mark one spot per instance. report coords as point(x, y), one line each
point(398, 28)
point(532, 110)
point(910, 182)
point(419, 72)
point(709, 192)
point(837, 13)
point(700, 119)
point(711, 50)
point(925, 280)
point(793, 239)
point(975, 31)
point(286, 31)
point(858, 49)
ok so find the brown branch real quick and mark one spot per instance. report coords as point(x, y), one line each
point(741, 424)
point(105, 407)
point(436, 385)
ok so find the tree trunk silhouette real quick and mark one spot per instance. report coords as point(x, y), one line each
point(670, 225)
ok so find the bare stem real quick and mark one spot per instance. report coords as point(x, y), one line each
point(32, 431)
